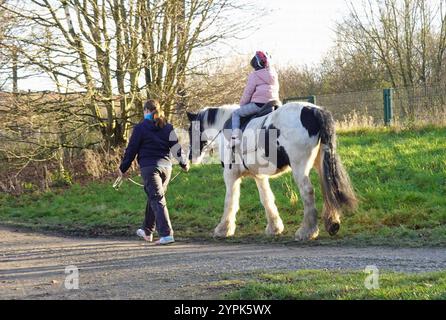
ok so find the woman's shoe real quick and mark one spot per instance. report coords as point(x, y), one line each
point(141, 233)
point(165, 240)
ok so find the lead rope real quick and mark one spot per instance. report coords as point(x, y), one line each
point(118, 182)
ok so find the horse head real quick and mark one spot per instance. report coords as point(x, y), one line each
point(196, 144)
point(204, 128)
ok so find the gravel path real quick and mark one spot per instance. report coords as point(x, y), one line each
point(32, 266)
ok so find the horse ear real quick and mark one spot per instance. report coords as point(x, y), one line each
point(191, 116)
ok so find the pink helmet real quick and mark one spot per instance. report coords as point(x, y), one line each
point(260, 60)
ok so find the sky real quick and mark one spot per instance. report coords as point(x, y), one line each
point(296, 32)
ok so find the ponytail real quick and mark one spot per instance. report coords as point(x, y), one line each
point(158, 115)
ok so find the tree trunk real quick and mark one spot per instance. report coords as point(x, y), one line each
point(15, 78)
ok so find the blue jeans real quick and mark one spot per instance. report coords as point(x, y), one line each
point(156, 179)
point(243, 111)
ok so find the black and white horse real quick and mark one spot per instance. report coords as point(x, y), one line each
point(297, 136)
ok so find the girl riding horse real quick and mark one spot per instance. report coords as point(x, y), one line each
point(262, 87)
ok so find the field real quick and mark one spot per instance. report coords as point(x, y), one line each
point(399, 177)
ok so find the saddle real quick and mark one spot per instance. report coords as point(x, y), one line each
point(267, 108)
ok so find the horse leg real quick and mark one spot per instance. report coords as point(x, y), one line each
point(275, 224)
point(309, 229)
point(226, 227)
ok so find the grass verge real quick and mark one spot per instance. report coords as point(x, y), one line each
point(340, 285)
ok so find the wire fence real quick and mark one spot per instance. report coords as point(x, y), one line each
point(364, 103)
point(408, 104)
point(419, 103)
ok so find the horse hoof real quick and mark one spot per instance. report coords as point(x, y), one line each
point(274, 230)
point(221, 235)
point(333, 228)
point(306, 235)
point(222, 232)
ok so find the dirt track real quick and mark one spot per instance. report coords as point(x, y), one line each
point(32, 266)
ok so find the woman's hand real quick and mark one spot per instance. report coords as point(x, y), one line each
point(120, 174)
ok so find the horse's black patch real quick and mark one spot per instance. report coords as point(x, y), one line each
point(195, 125)
point(309, 121)
point(191, 116)
point(282, 158)
point(269, 132)
point(212, 115)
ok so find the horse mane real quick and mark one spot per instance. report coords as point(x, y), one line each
point(215, 117)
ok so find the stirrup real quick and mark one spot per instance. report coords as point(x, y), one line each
point(235, 141)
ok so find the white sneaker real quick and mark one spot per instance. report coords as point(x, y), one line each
point(165, 240)
point(142, 234)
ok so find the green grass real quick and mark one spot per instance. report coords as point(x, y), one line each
point(340, 285)
point(400, 179)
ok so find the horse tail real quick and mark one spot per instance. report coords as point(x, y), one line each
point(336, 186)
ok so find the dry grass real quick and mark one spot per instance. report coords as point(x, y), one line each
point(355, 121)
point(358, 121)
point(98, 164)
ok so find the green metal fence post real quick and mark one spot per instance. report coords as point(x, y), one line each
point(388, 106)
point(312, 99)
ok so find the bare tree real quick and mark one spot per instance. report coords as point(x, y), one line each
point(8, 51)
point(407, 37)
point(218, 84)
point(299, 81)
point(120, 51)
point(104, 58)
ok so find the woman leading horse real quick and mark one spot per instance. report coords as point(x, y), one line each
point(153, 141)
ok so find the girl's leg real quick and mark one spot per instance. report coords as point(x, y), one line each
point(243, 111)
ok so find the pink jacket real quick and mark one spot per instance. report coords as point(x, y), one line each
point(262, 86)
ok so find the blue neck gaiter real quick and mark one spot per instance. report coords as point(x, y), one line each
point(148, 116)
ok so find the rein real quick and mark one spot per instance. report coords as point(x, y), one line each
point(210, 143)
